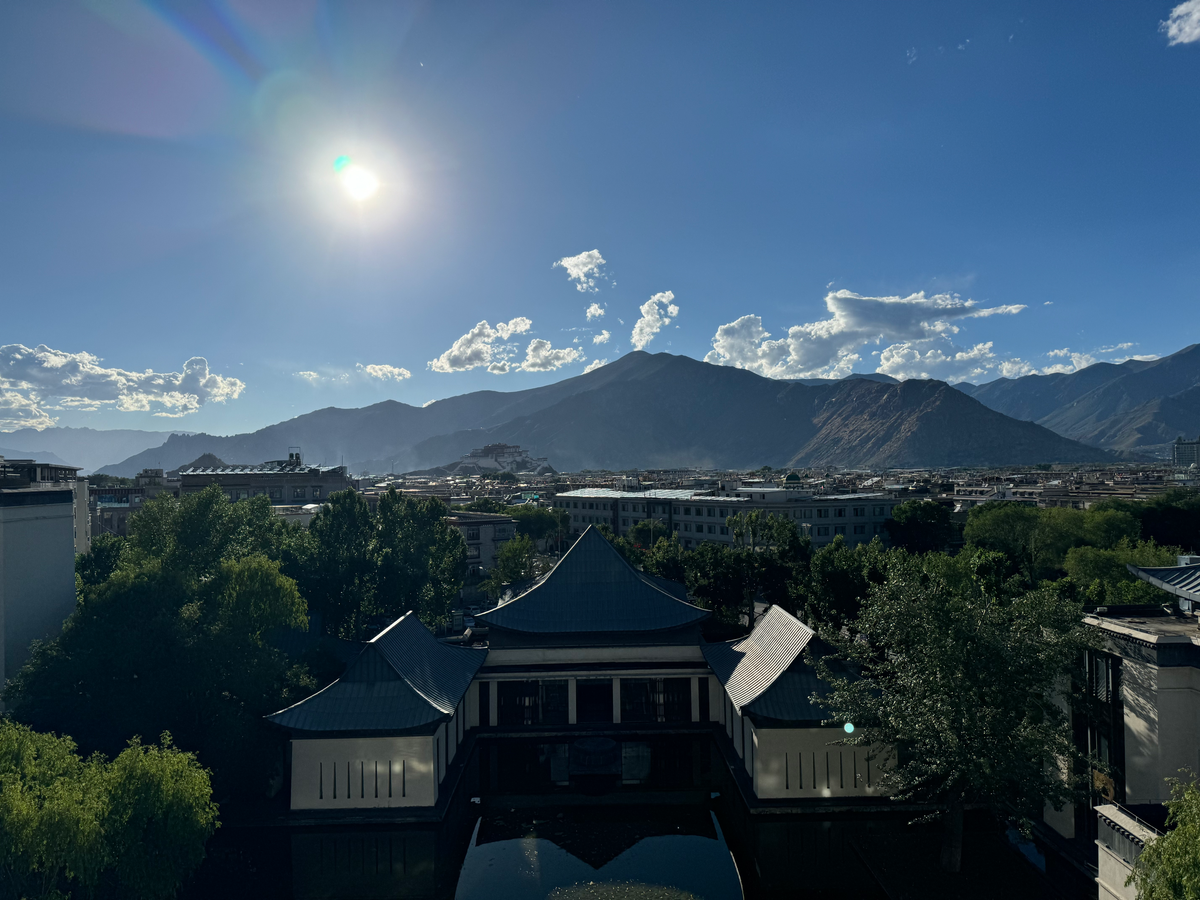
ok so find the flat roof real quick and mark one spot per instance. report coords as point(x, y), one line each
point(1154, 629)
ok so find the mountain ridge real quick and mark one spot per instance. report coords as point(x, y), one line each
point(691, 413)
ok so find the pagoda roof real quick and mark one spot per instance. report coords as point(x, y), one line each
point(593, 589)
point(404, 679)
point(764, 673)
point(1182, 581)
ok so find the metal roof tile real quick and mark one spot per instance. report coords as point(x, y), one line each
point(1182, 581)
point(404, 678)
point(592, 588)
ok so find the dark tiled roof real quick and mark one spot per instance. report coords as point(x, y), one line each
point(765, 674)
point(403, 679)
point(591, 589)
point(1182, 581)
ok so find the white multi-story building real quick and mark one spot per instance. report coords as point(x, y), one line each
point(698, 516)
point(43, 521)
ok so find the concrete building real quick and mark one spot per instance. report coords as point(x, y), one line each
point(42, 523)
point(110, 506)
point(485, 534)
point(772, 721)
point(1185, 453)
point(285, 482)
point(1143, 725)
point(701, 516)
point(593, 648)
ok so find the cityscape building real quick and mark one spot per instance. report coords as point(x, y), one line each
point(43, 524)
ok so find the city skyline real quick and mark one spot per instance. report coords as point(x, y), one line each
point(942, 192)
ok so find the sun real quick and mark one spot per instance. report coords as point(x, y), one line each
point(361, 184)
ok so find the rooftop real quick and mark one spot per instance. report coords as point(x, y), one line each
point(593, 589)
point(764, 673)
point(404, 679)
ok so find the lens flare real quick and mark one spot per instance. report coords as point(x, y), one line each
point(359, 183)
point(849, 726)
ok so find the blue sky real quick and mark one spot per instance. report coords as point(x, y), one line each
point(951, 190)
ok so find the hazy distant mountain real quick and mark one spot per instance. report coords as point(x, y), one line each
point(654, 410)
point(84, 447)
point(1138, 405)
point(42, 456)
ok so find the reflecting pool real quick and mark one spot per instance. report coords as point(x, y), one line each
point(631, 852)
point(628, 818)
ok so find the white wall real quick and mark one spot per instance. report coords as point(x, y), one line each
point(803, 762)
point(1162, 727)
point(320, 769)
point(37, 577)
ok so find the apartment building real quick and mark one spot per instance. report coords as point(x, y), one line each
point(703, 516)
point(43, 524)
point(285, 482)
point(485, 534)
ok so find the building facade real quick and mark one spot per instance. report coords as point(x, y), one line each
point(1185, 453)
point(701, 516)
point(286, 482)
point(41, 522)
point(485, 534)
point(593, 648)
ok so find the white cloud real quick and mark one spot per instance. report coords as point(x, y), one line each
point(541, 357)
point(911, 55)
point(657, 313)
point(918, 330)
point(601, 338)
point(33, 381)
point(910, 360)
point(385, 372)
point(1016, 367)
point(310, 377)
point(480, 347)
point(1183, 24)
point(594, 365)
point(595, 311)
point(583, 269)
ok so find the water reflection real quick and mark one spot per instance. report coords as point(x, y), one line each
point(630, 852)
point(636, 819)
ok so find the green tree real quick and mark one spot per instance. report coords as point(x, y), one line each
point(1170, 519)
point(838, 581)
point(774, 557)
point(961, 689)
point(517, 561)
point(646, 532)
point(486, 505)
point(920, 526)
point(420, 559)
point(173, 640)
point(1104, 579)
point(540, 523)
point(106, 554)
point(667, 559)
point(340, 576)
point(1169, 867)
point(135, 827)
point(160, 815)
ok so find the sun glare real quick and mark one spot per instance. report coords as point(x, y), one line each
point(359, 183)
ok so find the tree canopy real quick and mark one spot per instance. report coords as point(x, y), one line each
point(1169, 867)
point(134, 827)
point(959, 682)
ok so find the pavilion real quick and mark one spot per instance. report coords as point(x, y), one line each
point(593, 647)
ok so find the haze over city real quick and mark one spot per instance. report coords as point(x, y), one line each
point(219, 216)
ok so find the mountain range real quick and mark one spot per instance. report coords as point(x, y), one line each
point(88, 448)
point(1134, 407)
point(656, 410)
